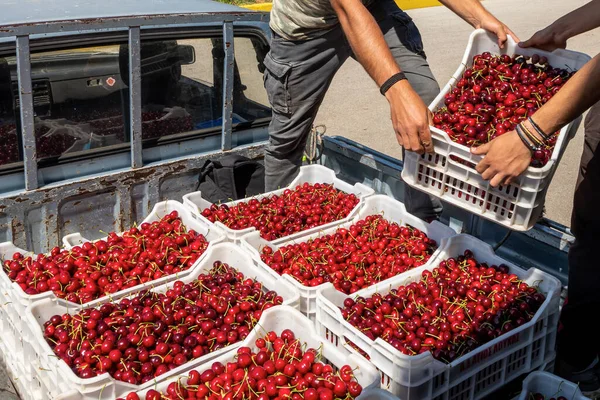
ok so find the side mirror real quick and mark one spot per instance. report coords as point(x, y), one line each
point(187, 54)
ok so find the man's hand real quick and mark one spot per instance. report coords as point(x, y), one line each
point(492, 24)
point(409, 114)
point(549, 39)
point(410, 118)
point(477, 16)
point(506, 157)
point(555, 36)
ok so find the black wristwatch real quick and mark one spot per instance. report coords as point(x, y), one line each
point(391, 82)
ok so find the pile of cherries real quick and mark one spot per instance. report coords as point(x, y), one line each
point(153, 126)
point(496, 94)
point(140, 338)
point(92, 114)
point(108, 126)
point(278, 368)
point(9, 151)
point(369, 251)
point(306, 206)
point(453, 309)
point(110, 122)
point(52, 145)
point(95, 269)
point(46, 146)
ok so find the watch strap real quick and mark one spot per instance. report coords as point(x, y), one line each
point(391, 82)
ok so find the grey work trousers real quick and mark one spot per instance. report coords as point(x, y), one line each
point(298, 74)
point(577, 340)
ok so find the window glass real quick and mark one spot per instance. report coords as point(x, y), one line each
point(250, 97)
point(81, 95)
point(178, 91)
point(78, 97)
point(9, 146)
point(182, 85)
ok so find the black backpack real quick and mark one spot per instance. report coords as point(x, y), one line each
point(232, 177)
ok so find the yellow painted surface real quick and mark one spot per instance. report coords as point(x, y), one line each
point(259, 7)
point(403, 4)
point(411, 4)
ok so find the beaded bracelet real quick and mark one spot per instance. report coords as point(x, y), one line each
point(527, 143)
point(538, 130)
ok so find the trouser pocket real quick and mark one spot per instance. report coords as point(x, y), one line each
point(408, 32)
point(276, 78)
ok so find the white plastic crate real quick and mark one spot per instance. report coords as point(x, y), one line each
point(23, 374)
point(277, 319)
point(548, 365)
point(472, 376)
point(27, 386)
point(212, 234)
point(550, 386)
point(518, 205)
point(308, 174)
point(16, 300)
point(390, 209)
point(20, 372)
point(15, 333)
point(377, 394)
point(59, 378)
point(368, 394)
point(70, 395)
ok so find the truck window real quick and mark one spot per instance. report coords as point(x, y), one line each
point(81, 97)
point(76, 93)
point(179, 93)
point(250, 96)
point(182, 87)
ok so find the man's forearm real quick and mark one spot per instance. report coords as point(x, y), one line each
point(580, 93)
point(366, 39)
point(579, 21)
point(470, 10)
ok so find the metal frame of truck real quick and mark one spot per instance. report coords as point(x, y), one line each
point(31, 216)
point(35, 216)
